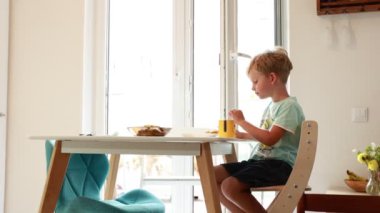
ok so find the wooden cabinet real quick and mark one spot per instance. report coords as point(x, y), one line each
point(329, 7)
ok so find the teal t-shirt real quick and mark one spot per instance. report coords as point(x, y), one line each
point(288, 115)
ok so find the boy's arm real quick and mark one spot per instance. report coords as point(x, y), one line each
point(244, 135)
point(267, 137)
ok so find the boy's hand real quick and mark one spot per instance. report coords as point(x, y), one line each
point(237, 116)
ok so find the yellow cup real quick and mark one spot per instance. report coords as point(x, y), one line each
point(226, 129)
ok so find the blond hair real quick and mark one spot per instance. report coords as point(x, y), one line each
point(276, 61)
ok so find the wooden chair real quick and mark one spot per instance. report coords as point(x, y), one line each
point(289, 195)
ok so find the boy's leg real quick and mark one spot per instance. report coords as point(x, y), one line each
point(221, 174)
point(239, 194)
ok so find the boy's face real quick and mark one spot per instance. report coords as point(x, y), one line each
point(261, 83)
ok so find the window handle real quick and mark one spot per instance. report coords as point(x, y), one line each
point(234, 56)
point(2, 114)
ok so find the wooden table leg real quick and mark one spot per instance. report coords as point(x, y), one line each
point(109, 191)
point(57, 170)
point(207, 176)
point(230, 158)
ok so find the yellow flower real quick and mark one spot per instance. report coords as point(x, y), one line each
point(370, 156)
point(373, 165)
point(362, 157)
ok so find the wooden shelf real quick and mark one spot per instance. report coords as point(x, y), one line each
point(330, 7)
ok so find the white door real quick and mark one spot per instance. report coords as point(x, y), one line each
point(4, 20)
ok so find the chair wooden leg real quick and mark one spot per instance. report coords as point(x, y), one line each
point(109, 191)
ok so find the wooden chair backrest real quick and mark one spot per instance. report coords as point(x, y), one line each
point(290, 194)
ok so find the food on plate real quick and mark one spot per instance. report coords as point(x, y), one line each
point(151, 130)
point(212, 132)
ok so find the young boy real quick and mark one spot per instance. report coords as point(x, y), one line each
point(272, 159)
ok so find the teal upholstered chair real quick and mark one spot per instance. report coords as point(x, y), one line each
point(85, 176)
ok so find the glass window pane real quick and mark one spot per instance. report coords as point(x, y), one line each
point(255, 34)
point(140, 83)
point(206, 63)
point(140, 64)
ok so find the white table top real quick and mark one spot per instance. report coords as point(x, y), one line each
point(141, 144)
point(134, 138)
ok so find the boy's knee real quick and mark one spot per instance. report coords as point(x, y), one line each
point(229, 186)
point(232, 188)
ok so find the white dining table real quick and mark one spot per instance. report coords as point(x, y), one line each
point(201, 147)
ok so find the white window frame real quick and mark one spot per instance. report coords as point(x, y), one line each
point(228, 63)
point(95, 62)
point(4, 38)
point(183, 57)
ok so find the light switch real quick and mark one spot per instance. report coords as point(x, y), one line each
point(359, 114)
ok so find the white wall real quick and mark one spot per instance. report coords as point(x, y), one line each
point(331, 74)
point(336, 68)
point(46, 41)
point(4, 35)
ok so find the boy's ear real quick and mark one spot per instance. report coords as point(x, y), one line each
point(273, 77)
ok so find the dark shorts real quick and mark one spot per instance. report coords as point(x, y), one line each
point(259, 173)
